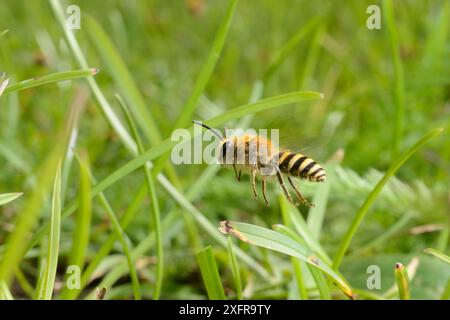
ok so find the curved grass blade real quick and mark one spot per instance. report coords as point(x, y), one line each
point(210, 274)
point(374, 193)
point(438, 254)
point(45, 290)
point(279, 242)
point(50, 78)
point(8, 197)
point(402, 280)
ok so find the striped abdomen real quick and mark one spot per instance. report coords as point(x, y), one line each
point(301, 166)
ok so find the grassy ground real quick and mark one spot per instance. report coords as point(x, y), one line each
point(75, 142)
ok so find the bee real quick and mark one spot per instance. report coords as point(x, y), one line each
point(263, 158)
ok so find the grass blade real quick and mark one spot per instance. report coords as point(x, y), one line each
point(156, 219)
point(45, 290)
point(294, 217)
point(210, 274)
point(374, 193)
point(207, 69)
point(235, 270)
point(402, 280)
point(399, 89)
point(123, 79)
point(50, 78)
point(82, 220)
point(8, 197)
point(3, 85)
point(279, 242)
point(438, 254)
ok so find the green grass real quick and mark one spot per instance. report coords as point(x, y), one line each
point(136, 224)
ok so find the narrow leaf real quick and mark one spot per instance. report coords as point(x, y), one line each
point(210, 274)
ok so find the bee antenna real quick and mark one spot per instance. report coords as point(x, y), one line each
point(216, 132)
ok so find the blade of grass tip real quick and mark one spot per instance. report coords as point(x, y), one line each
point(290, 45)
point(361, 213)
point(399, 88)
point(210, 274)
point(319, 279)
point(155, 216)
point(235, 270)
point(167, 144)
point(402, 280)
point(188, 108)
point(440, 255)
point(5, 293)
point(128, 87)
point(51, 78)
point(8, 197)
point(81, 232)
point(81, 60)
point(45, 290)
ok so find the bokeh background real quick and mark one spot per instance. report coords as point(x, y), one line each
point(164, 45)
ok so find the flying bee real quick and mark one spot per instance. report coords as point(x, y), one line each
point(263, 158)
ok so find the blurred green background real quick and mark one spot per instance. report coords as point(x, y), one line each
point(164, 45)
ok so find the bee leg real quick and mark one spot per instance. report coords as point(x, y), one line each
point(237, 174)
point(263, 187)
point(253, 177)
point(299, 195)
point(283, 187)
